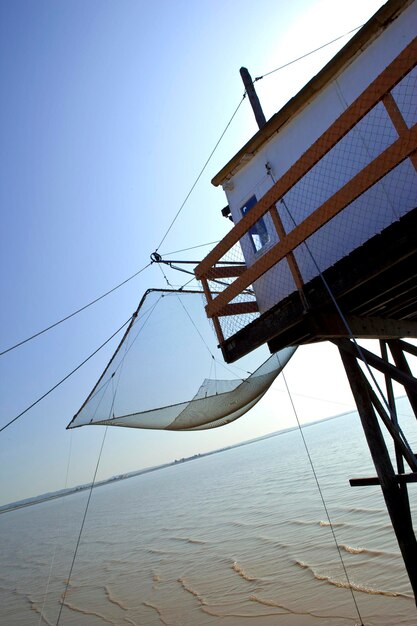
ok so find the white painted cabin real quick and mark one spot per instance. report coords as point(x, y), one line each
point(287, 136)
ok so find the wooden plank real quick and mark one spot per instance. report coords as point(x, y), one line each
point(404, 307)
point(386, 290)
point(375, 361)
point(374, 480)
point(408, 347)
point(327, 325)
point(240, 308)
point(285, 322)
point(402, 364)
point(292, 263)
point(216, 323)
point(392, 74)
point(226, 271)
point(392, 427)
point(397, 505)
point(374, 171)
point(397, 120)
point(394, 418)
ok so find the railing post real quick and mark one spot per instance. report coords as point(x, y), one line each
point(209, 298)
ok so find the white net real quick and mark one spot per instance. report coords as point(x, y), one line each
point(154, 379)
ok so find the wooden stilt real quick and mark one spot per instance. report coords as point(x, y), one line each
point(403, 488)
point(397, 505)
point(401, 362)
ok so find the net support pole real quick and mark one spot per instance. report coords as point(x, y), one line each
point(253, 97)
point(397, 505)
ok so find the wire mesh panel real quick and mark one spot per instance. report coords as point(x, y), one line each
point(404, 96)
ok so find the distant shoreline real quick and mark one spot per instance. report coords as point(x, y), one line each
point(46, 497)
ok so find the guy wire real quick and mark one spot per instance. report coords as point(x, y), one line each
point(81, 528)
point(200, 173)
point(67, 317)
point(321, 493)
point(65, 377)
point(348, 329)
point(59, 529)
point(342, 317)
point(307, 54)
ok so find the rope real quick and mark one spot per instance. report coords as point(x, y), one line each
point(65, 377)
point(350, 333)
point(187, 283)
point(97, 389)
point(201, 245)
point(96, 470)
point(148, 312)
point(136, 318)
point(307, 54)
point(195, 327)
point(190, 318)
point(67, 317)
point(321, 494)
point(332, 402)
point(214, 360)
point(346, 324)
point(82, 528)
point(200, 174)
point(228, 369)
point(41, 615)
point(157, 258)
point(164, 275)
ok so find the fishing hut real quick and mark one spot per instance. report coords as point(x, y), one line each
point(324, 239)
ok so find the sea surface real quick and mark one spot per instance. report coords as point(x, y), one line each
point(239, 537)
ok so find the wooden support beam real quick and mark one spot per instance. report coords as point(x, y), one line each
point(216, 323)
point(401, 363)
point(408, 347)
point(256, 335)
point(397, 120)
point(392, 427)
point(292, 263)
point(397, 505)
point(226, 271)
point(325, 325)
point(374, 480)
point(392, 406)
point(399, 452)
point(239, 308)
point(375, 361)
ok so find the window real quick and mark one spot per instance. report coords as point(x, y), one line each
point(258, 233)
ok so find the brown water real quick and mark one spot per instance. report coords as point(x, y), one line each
point(235, 538)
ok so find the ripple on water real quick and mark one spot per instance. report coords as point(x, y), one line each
point(343, 584)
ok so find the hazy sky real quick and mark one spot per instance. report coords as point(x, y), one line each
point(109, 109)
